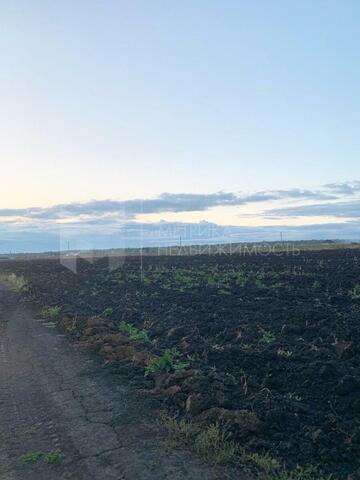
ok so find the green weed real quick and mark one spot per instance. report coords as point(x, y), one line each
point(107, 312)
point(134, 333)
point(293, 396)
point(53, 457)
point(51, 312)
point(267, 337)
point(284, 353)
point(355, 292)
point(165, 363)
point(31, 457)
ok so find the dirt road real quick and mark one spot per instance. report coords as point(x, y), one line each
point(57, 401)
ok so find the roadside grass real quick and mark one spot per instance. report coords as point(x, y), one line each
point(17, 283)
point(182, 431)
point(210, 442)
point(51, 312)
point(265, 467)
point(215, 446)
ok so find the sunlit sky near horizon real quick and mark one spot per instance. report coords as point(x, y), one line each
point(123, 100)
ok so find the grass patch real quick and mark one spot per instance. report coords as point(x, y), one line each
point(179, 430)
point(15, 282)
point(215, 446)
point(265, 467)
point(211, 443)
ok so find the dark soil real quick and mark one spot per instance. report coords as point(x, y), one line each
point(272, 342)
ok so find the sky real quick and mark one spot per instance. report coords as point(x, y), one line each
point(118, 117)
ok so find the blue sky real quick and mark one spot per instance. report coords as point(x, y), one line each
point(127, 100)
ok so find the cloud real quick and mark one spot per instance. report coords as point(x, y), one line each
point(297, 193)
point(340, 209)
point(166, 202)
point(109, 223)
point(344, 188)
